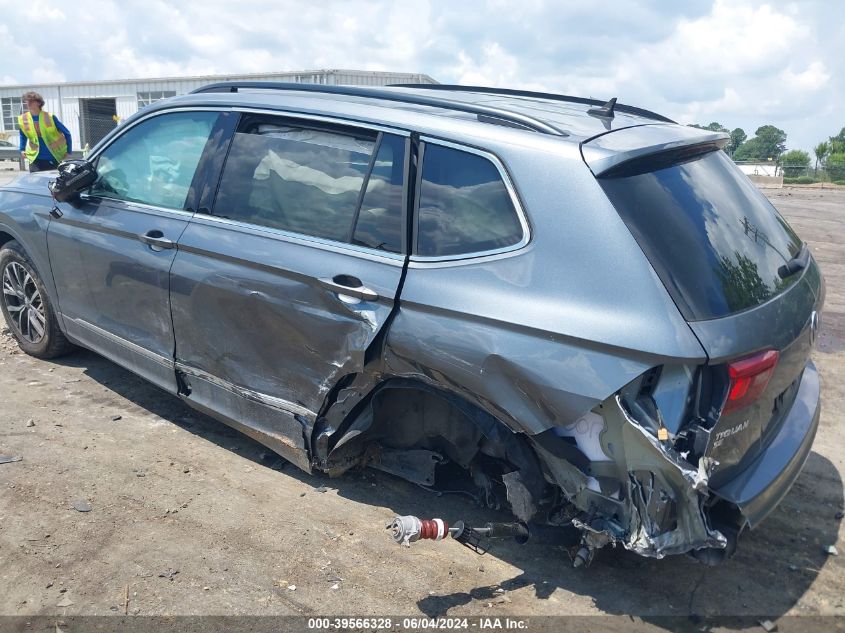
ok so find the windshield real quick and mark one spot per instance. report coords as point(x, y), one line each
point(715, 241)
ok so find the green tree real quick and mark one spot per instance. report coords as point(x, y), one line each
point(795, 162)
point(772, 141)
point(749, 150)
point(835, 165)
point(713, 127)
point(821, 151)
point(769, 142)
point(738, 137)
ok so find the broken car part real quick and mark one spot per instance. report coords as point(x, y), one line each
point(410, 529)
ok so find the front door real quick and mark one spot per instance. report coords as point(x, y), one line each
point(111, 251)
point(279, 291)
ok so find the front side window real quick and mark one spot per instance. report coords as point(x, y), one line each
point(311, 181)
point(464, 205)
point(154, 162)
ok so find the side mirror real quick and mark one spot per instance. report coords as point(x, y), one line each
point(74, 177)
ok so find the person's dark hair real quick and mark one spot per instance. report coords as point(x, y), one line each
point(32, 96)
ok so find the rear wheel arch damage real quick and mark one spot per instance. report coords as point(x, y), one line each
point(606, 473)
point(421, 432)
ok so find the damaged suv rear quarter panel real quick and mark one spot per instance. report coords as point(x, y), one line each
point(543, 335)
point(539, 336)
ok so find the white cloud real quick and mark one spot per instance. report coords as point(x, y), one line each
point(741, 62)
point(812, 78)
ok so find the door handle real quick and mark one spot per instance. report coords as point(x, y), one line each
point(349, 286)
point(155, 240)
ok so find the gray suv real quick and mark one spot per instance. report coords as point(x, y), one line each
point(579, 311)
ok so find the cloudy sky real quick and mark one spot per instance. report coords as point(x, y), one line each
point(742, 63)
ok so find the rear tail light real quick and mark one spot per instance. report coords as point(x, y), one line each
point(749, 378)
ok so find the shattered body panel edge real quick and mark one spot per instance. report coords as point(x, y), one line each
point(632, 447)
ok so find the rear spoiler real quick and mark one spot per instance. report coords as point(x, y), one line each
point(644, 148)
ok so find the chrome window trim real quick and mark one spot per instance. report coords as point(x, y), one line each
point(469, 260)
point(509, 187)
point(343, 248)
point(142, 206)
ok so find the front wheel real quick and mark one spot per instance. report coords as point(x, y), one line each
point(26, 306)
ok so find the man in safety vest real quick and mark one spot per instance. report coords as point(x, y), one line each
point(44, 140)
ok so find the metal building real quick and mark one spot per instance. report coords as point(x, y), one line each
point(90, 109)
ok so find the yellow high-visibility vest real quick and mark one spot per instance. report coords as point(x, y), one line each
point(55, 140)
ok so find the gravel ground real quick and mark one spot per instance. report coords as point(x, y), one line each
point(189, 517)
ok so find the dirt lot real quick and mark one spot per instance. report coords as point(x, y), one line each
point(196, 519)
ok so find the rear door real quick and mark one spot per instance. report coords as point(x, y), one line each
point(111, 251)
point(279, 290)
point(739, 275)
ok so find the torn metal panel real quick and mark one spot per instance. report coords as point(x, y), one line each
point(669, 481)
point(248, 394)
point(277, 428)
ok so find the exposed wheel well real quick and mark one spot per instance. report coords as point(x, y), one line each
point(4, 238)
point(402, 416)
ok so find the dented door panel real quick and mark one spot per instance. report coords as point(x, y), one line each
point(250, 310)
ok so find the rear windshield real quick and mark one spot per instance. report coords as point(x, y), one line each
point(715, 241)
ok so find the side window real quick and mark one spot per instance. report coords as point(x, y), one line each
point(464, 205)
point(297, 179)
point(154, 162)
point(379, 222)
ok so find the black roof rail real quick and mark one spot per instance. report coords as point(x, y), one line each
point(484, 113)
point(538, 95)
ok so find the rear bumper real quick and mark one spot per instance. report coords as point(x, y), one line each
point(760, 487)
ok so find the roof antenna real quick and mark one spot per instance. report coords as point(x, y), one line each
point(604, 112)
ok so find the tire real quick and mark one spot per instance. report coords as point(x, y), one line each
point(26, 306)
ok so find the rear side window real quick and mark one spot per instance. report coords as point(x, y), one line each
point(464, 206)
point(296, 179)
point(715, 241)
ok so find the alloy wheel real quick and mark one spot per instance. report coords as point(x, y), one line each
point(23, 302)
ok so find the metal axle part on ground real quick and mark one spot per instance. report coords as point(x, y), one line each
point(410, 529)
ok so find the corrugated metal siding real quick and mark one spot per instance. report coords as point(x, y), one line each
point(70, 117)
point(128, 105)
